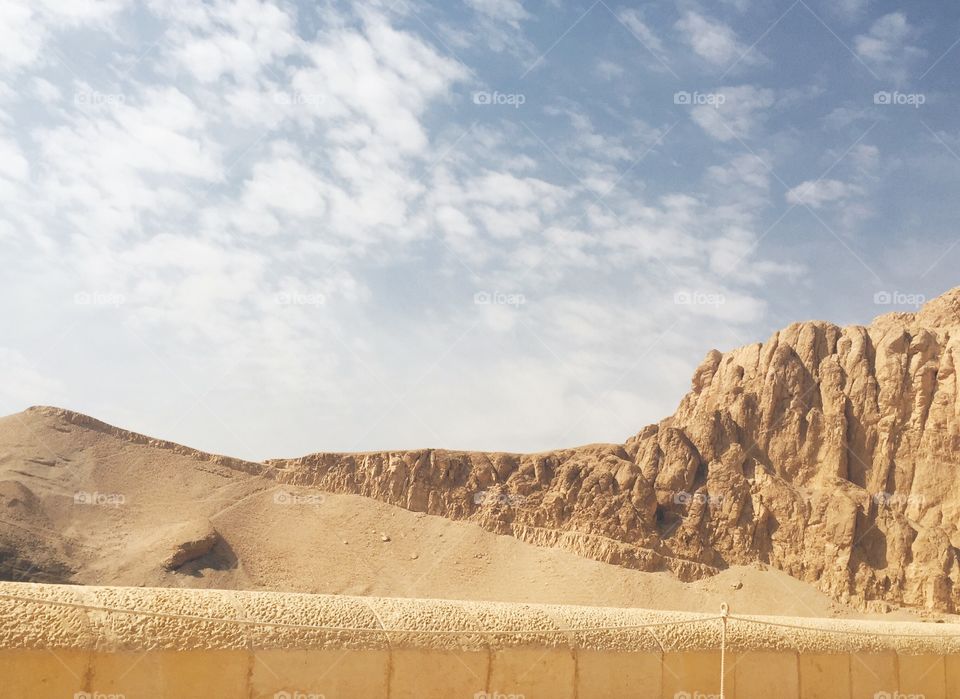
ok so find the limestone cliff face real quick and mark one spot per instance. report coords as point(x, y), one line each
point(831, 453)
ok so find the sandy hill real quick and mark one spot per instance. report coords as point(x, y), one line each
point(827, 456)
point(87, 503)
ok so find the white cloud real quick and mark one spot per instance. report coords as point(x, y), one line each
point(744, 181)
point(24, 384)
point(286, 184)
point(297, 222)
point(499, 204)
point(510, 11)
point(376, 86)
point(714, 41)
point(597, 156)
point(843, 116)
point(283, 195)
point(22, 34)
point(849, 9)
point(886, 48)
point(743, 169)
point(239, 38)
point(608, 70)
point(106, 166)
point(634, 22)
point(866, 158)
point(496, 25)
point(27, 25)
point(818, 193)
point(742, 110)
point(46, 91)
point(13, 164)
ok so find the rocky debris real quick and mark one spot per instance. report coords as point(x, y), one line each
point(40, 461)
point(190, 542)
point(25, 554)
point(830, 453)
point(18, 500)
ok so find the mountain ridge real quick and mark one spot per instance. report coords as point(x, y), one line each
point(831, 453)
point(810, 452)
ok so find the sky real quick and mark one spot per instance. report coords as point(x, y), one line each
point(268, 228)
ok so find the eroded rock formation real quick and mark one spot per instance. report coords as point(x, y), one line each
point(830, 453)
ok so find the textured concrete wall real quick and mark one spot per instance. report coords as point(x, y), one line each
point(64, 642)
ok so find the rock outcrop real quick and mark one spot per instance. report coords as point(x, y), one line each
point(830, 453)
point(189, 542)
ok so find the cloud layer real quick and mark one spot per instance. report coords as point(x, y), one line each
point(267, 228)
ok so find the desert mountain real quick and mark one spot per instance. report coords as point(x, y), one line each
point(83, 502)
point(829, 455)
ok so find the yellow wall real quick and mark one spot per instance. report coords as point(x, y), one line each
point(63, 642)
point(430, 674)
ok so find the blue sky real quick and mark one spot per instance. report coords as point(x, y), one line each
point(267, 228)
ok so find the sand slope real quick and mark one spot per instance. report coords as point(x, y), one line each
point(83, 502)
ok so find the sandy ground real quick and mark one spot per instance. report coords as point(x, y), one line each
point(140, 503)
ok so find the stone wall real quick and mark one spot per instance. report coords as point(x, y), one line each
point(126, 643)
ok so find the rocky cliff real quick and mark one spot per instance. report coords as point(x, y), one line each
point(830, 453)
